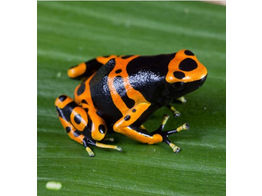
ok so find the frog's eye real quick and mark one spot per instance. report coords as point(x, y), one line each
point(102, 129)
point(178, 85)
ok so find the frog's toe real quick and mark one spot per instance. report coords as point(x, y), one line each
point(177, 113)
point(90, 152)
point(175, 148)
point(181, 99)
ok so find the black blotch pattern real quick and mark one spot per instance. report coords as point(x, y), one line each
point(83, 101)
point(62, 97)
point(102, 129)
point(68, 129)
point(188, 52)
point(179, 74)
point(78, 119)
point(127, 118)
point(187, 65)
point(145, 70)
point(86, 110)
point(81, 89)
point(118, 71)
point(134, 110)
point(120, 88)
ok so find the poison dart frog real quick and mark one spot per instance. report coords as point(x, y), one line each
point(119, 93)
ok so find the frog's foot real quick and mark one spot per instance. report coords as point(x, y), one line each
point(87, 142)
point(175, 112)
point(165, 134)
point(181, 99)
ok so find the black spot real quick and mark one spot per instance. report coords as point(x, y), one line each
point(127, 118)
point(134, 110)
point(188, 52)
point(187, 65)
point(86, 110)
point(121, 90)
point(62, 97)
point(179, 74)
point(102, 129)
point(83, 101)
point(78, 119)
point(118, 71)
point(126, 56)
point(68, 129)
point(81, 89)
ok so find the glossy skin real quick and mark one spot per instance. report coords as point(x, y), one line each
point(120, 92)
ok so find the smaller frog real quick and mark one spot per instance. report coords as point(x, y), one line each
point(119, 93)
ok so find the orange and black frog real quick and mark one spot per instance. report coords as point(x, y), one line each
point(119, 93)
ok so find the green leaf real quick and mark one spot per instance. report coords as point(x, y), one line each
point(73, 32)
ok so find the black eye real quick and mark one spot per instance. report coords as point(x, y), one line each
point(178, 85)
point(102, 129)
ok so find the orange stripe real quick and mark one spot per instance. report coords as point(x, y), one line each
point(131, 92)
point(86, 95)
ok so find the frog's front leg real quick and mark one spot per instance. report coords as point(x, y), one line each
point(125, 126)
point(175, 112)
point(82, 123)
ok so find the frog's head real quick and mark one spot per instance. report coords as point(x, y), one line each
point(185, 74)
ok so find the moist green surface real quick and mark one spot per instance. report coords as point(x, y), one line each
point(72, 32)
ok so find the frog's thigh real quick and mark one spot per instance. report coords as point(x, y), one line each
point(71, 131)
point(125, 127)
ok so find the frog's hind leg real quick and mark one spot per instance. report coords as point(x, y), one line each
point(82, 123)
point(84, 70)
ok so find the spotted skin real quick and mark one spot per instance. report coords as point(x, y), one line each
point(119, 93)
